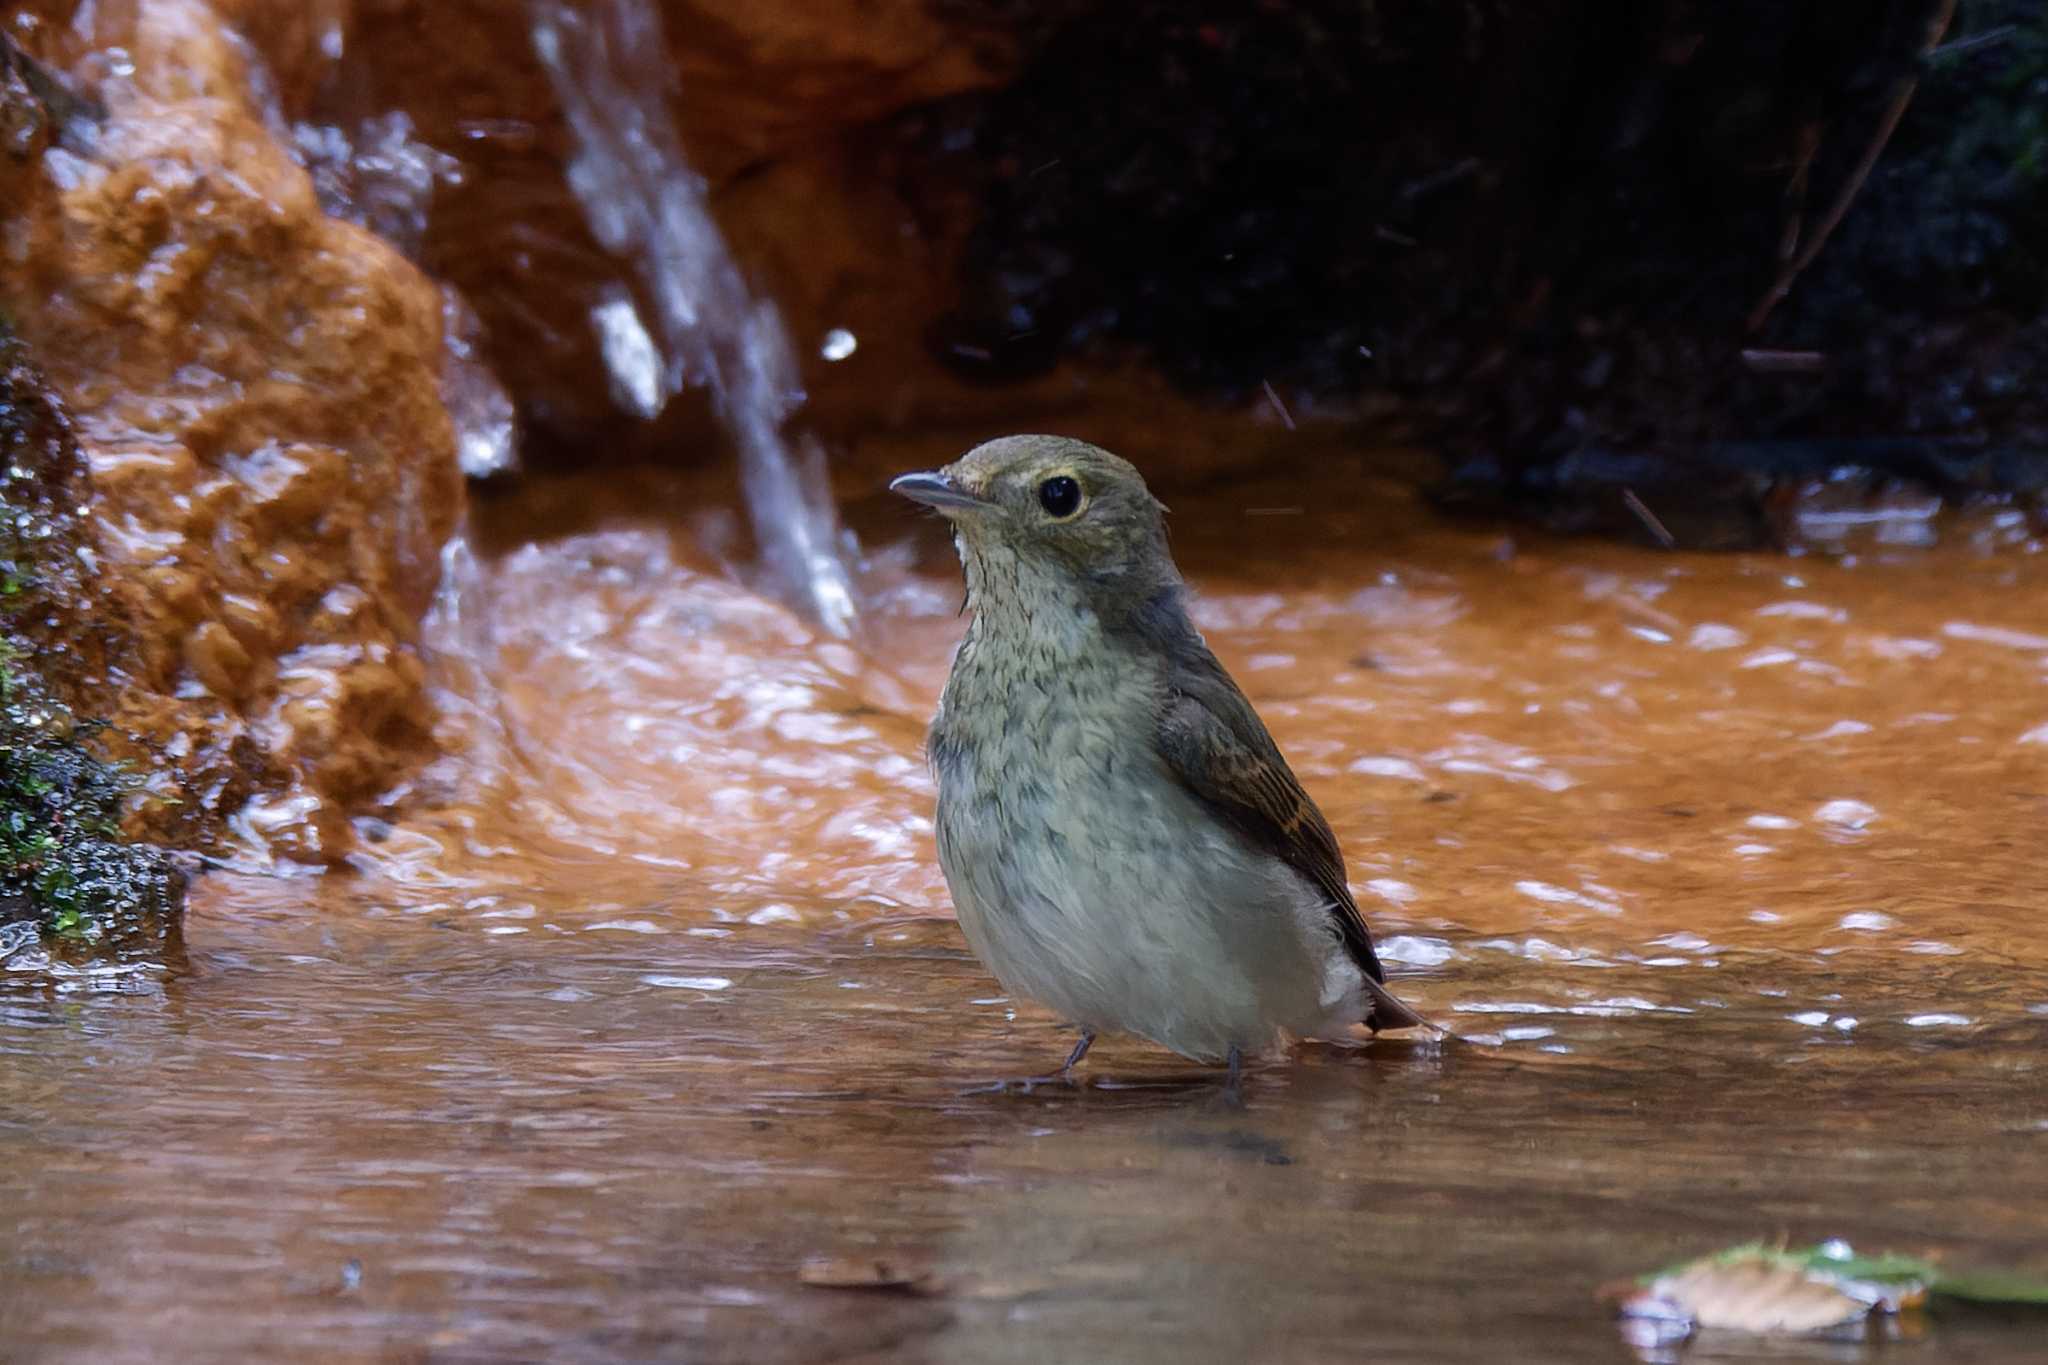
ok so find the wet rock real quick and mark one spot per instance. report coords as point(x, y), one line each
point(257, 387)
point(66, 867)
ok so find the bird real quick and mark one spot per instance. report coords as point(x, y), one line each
point(1122, 838)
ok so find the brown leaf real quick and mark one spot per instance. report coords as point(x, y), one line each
point(1758, 1293)
point(873, 1272)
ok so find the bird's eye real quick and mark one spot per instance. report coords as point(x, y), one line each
point(1060, 496)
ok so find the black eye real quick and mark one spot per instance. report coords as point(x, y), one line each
point(1060, 496)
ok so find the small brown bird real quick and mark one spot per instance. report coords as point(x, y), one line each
point(1122, 838)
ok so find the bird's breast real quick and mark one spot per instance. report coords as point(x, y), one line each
point(1051, 794)
point(1016, 728)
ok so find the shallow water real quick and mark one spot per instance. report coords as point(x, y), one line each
point(642, 1017)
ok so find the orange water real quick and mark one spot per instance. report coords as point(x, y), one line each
point(1725, 868)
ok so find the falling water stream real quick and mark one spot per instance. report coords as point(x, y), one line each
point(644, 204)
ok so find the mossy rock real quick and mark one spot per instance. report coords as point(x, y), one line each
point(64, 865)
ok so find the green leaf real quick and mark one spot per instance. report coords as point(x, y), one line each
point(1991, 1287)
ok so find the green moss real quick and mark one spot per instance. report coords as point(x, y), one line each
point(63, 863)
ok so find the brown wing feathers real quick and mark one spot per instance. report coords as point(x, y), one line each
point(1216, 744)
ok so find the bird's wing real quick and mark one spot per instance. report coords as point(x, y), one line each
point(1215, 743)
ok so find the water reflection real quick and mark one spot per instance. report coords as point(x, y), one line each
point(336, 1138)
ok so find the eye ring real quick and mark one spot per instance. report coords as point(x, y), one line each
point(1060, 496)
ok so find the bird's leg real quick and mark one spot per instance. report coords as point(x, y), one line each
point(1080, 1051)
point(1233, 1081)
point(1064, 1076)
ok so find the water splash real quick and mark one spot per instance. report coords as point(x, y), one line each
point(383, 177)
point(646, 205)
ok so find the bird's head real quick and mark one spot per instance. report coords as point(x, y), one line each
point(1036, 512)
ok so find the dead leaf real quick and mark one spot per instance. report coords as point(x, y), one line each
point(1775, 1289)
point(873, 1273)
point(1752, 1295)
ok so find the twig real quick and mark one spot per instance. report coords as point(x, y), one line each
point(1649, 519)
point(1429, 184)
point(1791, 269)
point(1784, 362)
point(1278, 406)
point(1987, 38)
point(1795, 192)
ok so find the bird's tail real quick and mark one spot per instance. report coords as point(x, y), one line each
point(1387, 1012)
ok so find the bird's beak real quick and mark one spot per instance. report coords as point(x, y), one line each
point(934, 489)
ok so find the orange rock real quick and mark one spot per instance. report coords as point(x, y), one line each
point(770, 98)
point(256, 387)
point(263, 389)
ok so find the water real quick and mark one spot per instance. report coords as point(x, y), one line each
point(644, 1026)
point(609, 66)
point(383, 177)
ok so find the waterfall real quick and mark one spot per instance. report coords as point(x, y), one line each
point(609, 66)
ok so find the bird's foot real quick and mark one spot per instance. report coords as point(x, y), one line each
point(1231, 1096)
point(1027, 1085)
point(1023, 1085)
